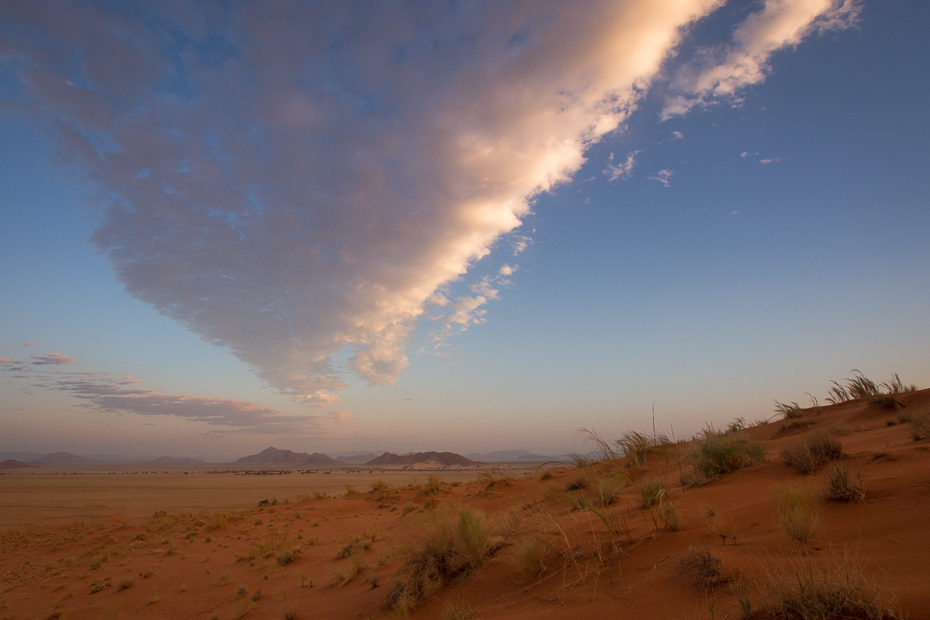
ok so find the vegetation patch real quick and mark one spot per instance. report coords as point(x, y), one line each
point(716, 453)
point(819, 448)
point(843, 486)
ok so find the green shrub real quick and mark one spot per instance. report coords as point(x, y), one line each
point(841, 486)
point(715, 453)
point(798, 511)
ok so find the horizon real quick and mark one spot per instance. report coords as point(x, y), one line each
point(471, 229)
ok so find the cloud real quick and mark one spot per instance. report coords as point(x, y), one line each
point(56, 359)
point(677, 135)
point(303, 180)
point(244, 416)
point(723, 72)
point(624, 169)
point(6, 360)
point(663, 176)
point(29, 344)
point(341, 417)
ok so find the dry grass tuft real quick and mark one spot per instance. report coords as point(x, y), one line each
point(444, 548)
point(799, 511)
point(841, 486)
point(717, 453)
point(819, 448)
point(835, 590)
point(532, 554)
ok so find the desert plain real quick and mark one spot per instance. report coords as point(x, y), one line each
point(823, 505)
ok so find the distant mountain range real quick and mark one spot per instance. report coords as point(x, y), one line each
point(14, 464)
point(443, 458)
point(509, 456)
point(286, 457)
point(357, 459)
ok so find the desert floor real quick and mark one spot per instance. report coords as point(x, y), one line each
point(95, 544)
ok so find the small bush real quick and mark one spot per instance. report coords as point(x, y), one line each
point(532, 552)
point(718, 524)
point(608, 490)
point(581, 482)
point(706, 569)
point(432, 488)
point(288, 556)
point(921, 422)
point(457, 611)
point(671, 517)
point(99, 584)
point(819, 448)
point(715, 453)
point(125, 584)
point(798, 511)
point(841, 486)
point(836, 589)
point(445, 548)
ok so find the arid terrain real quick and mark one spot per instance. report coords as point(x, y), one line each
point(730, 525)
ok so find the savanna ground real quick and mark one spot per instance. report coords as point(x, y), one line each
point(821, 513)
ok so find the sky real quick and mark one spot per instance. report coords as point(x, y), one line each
point(403, 226)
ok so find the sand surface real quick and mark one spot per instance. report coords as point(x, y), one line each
point(96, 544)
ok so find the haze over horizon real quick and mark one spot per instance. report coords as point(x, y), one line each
point(454, 227)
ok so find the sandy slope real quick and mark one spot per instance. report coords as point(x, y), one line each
point(189, 565)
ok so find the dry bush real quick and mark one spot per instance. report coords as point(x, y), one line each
point(837, 589)
point(458, 610)
point(607, 490)
point(799, 511)
point(532, 553)
point(921, 423)
point(492, 477)
point(580, 482)
point(715, 453)
point(820, 447)
point(444, 548)
point(718, 524)
point(706, 569)
point(125, 584)
point(637, 446)
point(432, 488)
point(841, 486)
point(670, 516)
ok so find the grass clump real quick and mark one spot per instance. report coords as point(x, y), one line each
point(921, 423)
point(716, 453)
point(637, 446)
point(125, 584)
point(652, 491)
point(819, 448)
point(834, 590)
point(841, 486)
point(532, 553)
point(458, 610)
point(788, 410)
point(799, 511)
point(444, 548)
point(579, 483)
point(432, 488)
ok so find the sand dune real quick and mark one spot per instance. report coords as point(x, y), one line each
point(543, 550)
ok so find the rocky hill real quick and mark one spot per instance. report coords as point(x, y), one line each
point(443, 458)
point(286, 457)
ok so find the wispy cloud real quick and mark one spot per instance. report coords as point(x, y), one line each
point(663, 176)
point(623, 169)
point(723, 72)
point(55, 359)
point(300, 180)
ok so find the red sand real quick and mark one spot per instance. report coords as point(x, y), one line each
point(187, 565)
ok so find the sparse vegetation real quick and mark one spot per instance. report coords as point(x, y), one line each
point(833, 590)
point(842, 486)
point(637, 446)
point(652, 491)
point(706, 569)
point(788, 410)
point(458, 610)
point(716, 453)
point(445, 548)
point(532, 553)
point(799, 511)
point(819, 448)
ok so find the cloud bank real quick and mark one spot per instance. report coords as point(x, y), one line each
point(297, 180)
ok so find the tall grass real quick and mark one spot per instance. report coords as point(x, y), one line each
point(637, 446)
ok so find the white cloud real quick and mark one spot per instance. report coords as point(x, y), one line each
point(624, 169)
point(663, 176)
point(722, 73)
point(300, 181)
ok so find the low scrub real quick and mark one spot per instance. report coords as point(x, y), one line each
point(819, 448)
point(716, 453)
point(444, 548)
point(843, 486)
point(705, 568)
point(799, 510)
point(834, 590)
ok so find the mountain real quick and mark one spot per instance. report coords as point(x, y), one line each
point(26, 457)
point(170, 460)
point(286, 457)
point(509, 456)
point(443, 458)
point(63, 458)
point(14, 464)
point(356, 459)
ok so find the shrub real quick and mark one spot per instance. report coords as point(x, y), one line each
point(891, 401)
point(457, 611)
point(841, 487)
point(581, 482)
point(445, 548)
point(798, 511)
point(705, 568)
point(432, 488)
point(715, 453)
point(921, 422)
point(607, 490)
point(819, 448)
point(834, 590)
point(532, 553)
point(671, 517)
point(125, 584)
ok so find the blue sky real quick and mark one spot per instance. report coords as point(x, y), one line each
point(419, 228)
